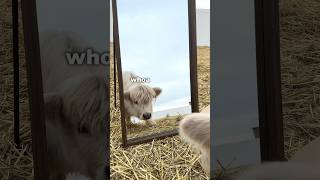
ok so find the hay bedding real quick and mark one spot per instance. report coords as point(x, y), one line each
point(142, 129)
point(170, 158)
point(14, 163)
point(300, 67)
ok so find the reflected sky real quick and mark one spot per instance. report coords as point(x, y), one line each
point(154, 41)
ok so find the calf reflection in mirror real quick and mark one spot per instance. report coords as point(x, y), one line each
point(76, 129)
point(76, 109)
point(195, 129)
point(76, 176)
point(138, 97)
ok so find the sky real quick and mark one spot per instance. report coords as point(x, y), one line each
point(156, 46)
point(203, 4)
point(203, 22)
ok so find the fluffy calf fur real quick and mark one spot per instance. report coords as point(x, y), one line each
point(305, 165)
point(195, 129)
point(282, 171)
point(309, 153)
point(76, 129)
point(138, 97)
point(76, 176)
point(76, 109)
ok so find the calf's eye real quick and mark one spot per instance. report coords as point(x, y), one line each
point(136, 102)
point(83, 130)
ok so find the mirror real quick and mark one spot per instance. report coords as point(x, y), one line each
point(158, 65)
point(74, 54)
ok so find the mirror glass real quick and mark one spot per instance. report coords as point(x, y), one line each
point(74, 48)
point(154, 43)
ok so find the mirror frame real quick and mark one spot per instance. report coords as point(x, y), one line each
point(35, 89)
point(193, 76)
point(267, 29)
point(35, 92)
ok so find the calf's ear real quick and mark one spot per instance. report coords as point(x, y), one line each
point(85, 105)
point(126, 95)
point(157, 90)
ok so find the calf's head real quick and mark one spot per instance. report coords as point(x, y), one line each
point(139, 101)
point(77, 124)
point(81, 108)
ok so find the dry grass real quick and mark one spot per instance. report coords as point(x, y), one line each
point(300, 67)
point(300, 64)
point(14, 163)
point(160, 125)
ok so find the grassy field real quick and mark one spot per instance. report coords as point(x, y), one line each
point(300, 65)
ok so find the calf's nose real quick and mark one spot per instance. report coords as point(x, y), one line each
point(146, 116)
